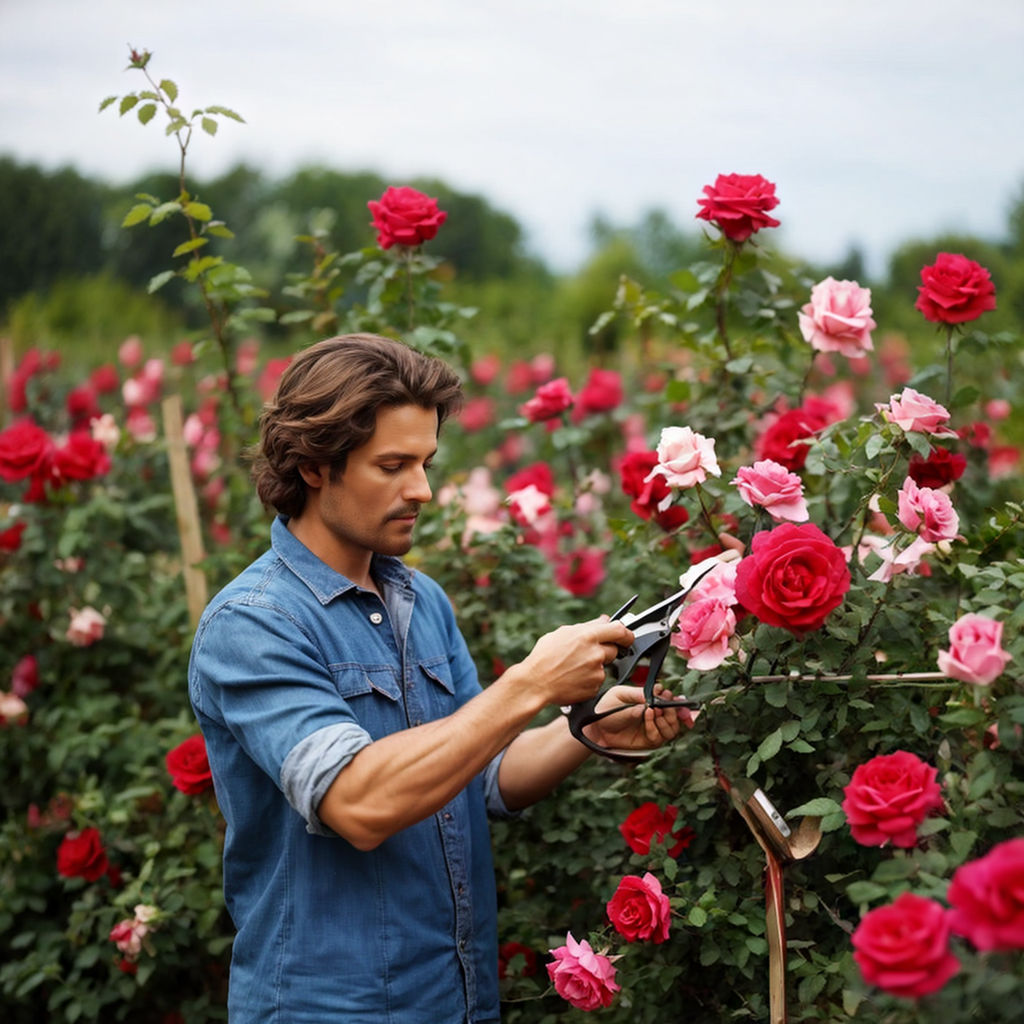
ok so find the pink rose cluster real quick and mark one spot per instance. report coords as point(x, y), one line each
point(838, 318)
point(583, 978)
point(130, 935)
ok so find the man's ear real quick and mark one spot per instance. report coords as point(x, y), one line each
point(313, 476)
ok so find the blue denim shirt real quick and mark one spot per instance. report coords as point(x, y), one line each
point(294, 670)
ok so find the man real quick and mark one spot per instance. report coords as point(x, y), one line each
point(354, 754)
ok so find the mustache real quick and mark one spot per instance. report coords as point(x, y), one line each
point(405, 512)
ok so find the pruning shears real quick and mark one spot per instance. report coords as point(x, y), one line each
point(652, 629)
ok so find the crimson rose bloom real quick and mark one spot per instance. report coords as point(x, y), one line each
point(649, 822)
point(25, 451)
point(403, 216)
point(537, 473)
point(739, 205)
point(507, 951)
point(10, 539)
point(581, 572)
point(602, 392)
point(888, 797)
point(648, 492)
point(81, 855)
point(987, 898)
point(639, 910)
point(954, 290)
point(793, 577)
point(903, 948)
point(189, 767)
point(80, 458)
point(550, 400)
point(940, 468)
point(776, 443)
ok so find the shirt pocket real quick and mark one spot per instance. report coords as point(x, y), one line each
point(440, 687)
point(373, 696)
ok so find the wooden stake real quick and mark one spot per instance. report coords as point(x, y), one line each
point(186, 509)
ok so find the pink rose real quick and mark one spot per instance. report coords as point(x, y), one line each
point(975, 652)
point(771, 486)
point(986, 897)
point(128, 936)
point(926, 512)
point(685, 458)
point(639, 910)
point(793, 577)
point(895, 561)
point(838, 318)
point(718, 583)
point(528, 505)
point(404, 216)
point(87, 626)
point(910, 410)
point(888, 797)
point(903, 948)
point(549, 401)
point(583, 978)
point(13, 710)
point(703, 634)
point(739, 205)
point(954, 290)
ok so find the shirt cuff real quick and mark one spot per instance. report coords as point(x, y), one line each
point(313, 764)
point(492, 794)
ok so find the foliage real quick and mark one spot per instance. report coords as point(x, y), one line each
point(713, 345)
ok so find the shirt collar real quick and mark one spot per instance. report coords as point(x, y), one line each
point(322, 580)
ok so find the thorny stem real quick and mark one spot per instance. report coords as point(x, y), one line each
point(721, 293)
point(949, 363)
point(407, 255)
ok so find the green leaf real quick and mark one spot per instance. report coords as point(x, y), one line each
point(865, 892)
point(106, 103)
point(218, 228)
point(226, 112)
point(776, 694)
point(159, 280)
point(770, 745)
point(209, 125)
point(170, 88)
point(697, 916)
point(127, 102)
point(190, 246)
point(197, 211)
point(146, 113)
point(818, 808)
point(163, 211)
point(136, 215)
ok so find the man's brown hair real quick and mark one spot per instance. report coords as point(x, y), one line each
point(326, 405)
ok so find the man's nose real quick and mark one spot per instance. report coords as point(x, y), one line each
point(418, 488)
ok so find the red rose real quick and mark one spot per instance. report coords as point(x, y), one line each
point(940, 468)
point(903, 948)
point(602, 392)
point(403, 216)
point(581, 572)
point(777, 442)
point(739, 205)
point(639, 910)
point(888, 797)
point(25, 451)
point(648, 823)
point(987, 898)
point(647, 494)
point(80, 458)
point(81, 855)
point(549, 401)
point(10, 539)
point(793, 577)
point(25, 677)
point(105, 379)
point(508, 951)
point(954, 290)
point(538, 473)
point(189, 766)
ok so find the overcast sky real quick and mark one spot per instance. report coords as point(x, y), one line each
point(878, 121)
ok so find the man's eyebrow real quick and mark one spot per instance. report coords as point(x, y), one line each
point(397, 456)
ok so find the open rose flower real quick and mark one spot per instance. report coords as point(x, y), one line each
point(838, 318)
point(954, 290)
point(986, 898)
point(911, 410)
point(769, 485)
point(888, 797)
point(188, 765)
point(739, 205)
point(649, 493)
point(783, 440)
point(529, 505)
point(903, 947)
point(639, 910)
point(86, 627)
point(648, 823)
point(926, 512)
point(549, 401)
point(975, 652)
point(941, 467)
point(81, 457)
point(703, 633)
point(794, 577)
point(583, 978)
point(685, 458)
point(82, 855)
point(13, 710)
point(26, 451)
point(404, 216)
point(580, 572)
point(601, 392)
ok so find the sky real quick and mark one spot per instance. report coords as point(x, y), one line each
point(879, 122)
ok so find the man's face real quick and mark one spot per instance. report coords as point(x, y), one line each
point(372, 506)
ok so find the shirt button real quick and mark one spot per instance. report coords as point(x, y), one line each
point(376, 618)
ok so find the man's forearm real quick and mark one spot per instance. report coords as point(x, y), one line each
point(536, 761)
